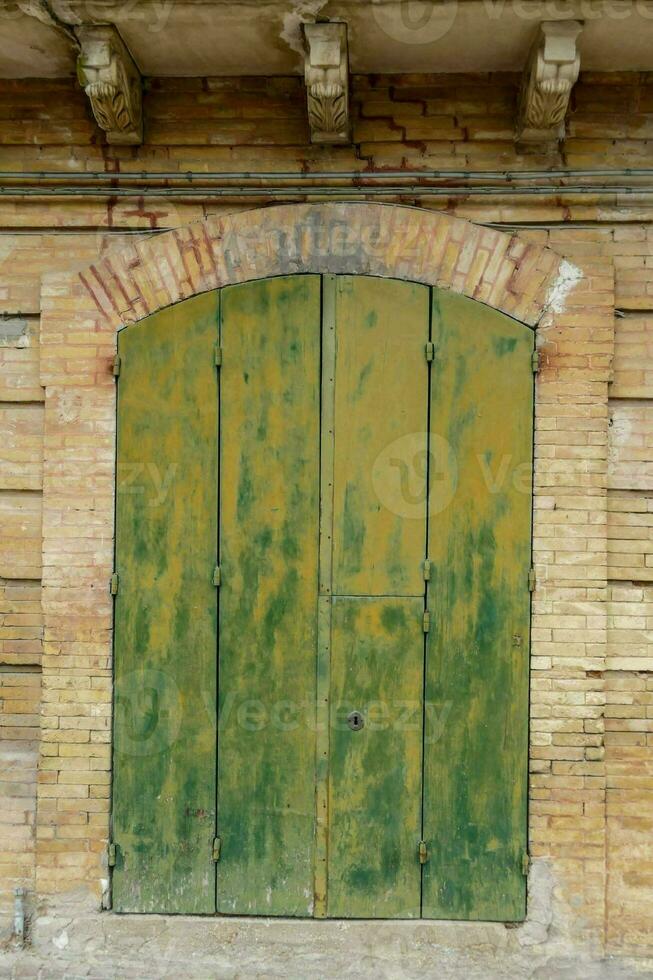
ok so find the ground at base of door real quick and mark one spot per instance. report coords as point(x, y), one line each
point(106, 946)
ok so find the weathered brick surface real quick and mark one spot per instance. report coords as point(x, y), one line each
point(20, 543)
point(629, 762)
point(633, 357)
point(19, 751)
point(591, 753)
point(21, 623)
point(630, 626)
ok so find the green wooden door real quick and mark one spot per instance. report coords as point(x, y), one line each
point(270, 424)
point(368, 504)
point(380, 391)
point(476, 720)
point(165, 612)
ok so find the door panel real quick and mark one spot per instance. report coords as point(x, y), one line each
point(475, 791)
point(377, 660)
point(344, 461)
point(380, 436)
point(165, 613)
point(270, 394)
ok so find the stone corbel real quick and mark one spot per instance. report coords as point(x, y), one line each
point(326, 71)
point(551, 73)
point(110, 78)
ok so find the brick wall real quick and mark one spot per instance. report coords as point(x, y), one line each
point(592, 755)
point(21, 464)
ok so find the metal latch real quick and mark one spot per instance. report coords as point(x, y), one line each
point(217, 847)
point(536, 361)
point(114, 583)
point(111, 854)
point(423, 852)
point(429, 350)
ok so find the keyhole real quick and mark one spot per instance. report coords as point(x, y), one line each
point(355, 721)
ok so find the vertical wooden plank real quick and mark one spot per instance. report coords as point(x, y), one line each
point(270, 450)
point(380, 436)
point(476, 711)
point(329, 285)
point(376, 773)
point(165, 614)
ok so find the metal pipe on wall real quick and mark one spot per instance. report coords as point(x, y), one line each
point(344, 193)
point(192, 176)
point(287, 184)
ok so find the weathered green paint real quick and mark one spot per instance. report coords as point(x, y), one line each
point(377, 663)
point(380, 436)
point(325, 450)
point(270, 451)
point(165, 613)
point(475, 783)
point(323, 672)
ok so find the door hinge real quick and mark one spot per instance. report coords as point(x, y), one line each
point(114, 583)
point(112, 850)
point(217, 355)
point(423, 852)
point(427, 569)
point(535, 361)
point(525, 863)
point(429, 350)
point(426, 621)
point(217, 576)
point(531, 580)
point(217, 847)
point(115, 367)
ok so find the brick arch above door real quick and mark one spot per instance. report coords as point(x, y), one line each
point(499, 269)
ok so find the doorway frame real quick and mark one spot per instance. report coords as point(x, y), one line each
point(82, 314)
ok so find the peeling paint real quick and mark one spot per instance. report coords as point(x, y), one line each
point(568, 276)
point(304, 12)
point(61, 940)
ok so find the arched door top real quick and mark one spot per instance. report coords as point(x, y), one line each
point(499, 269)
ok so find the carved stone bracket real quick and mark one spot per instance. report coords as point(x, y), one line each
point(326, 70)
point(107, 72)
point(551, 73)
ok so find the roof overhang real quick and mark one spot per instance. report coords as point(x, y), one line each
point(235, 37)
